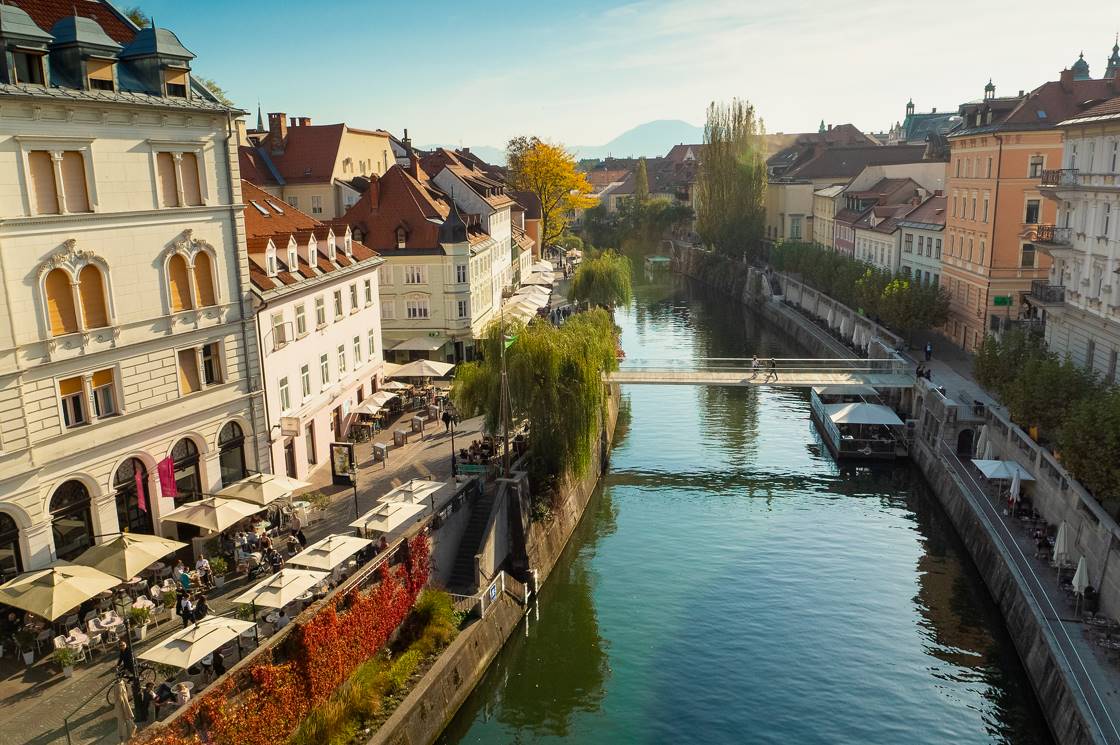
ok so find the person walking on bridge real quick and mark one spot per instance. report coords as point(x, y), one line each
point(755, 366)
point(772, 372)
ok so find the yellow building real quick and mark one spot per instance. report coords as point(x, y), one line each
point(320, 169)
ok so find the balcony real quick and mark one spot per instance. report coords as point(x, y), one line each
point(1044, 293)
point(1060, 177)
point(1048, 234)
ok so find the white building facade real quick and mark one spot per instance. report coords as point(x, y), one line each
point(1081, 302)
point(126, 336)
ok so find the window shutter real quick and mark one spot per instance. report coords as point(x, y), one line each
point(178, 284)
point(74, 182)
point(204, 280)
point(92, 293)
point(44, 196)
point(192, 193)
point(60, 303)
point(165, 167)
point(70, 386)
point(102, 377)
point(188, 371)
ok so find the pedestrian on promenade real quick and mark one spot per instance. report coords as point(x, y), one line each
point(754, 367)
point(772, 371)
point(201, 607)
point(446, 420)
point(929, 351)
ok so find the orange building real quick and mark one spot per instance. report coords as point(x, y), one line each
point(994, 204)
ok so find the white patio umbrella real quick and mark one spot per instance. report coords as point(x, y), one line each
point(1016, 486)
point(831, 316)
point(330, 552)
point(1062, 544)
point(982, 439)
point(424, 369)
point(51, 592)
point(1080, 577)
point(388, 368)
point(281, 588)
point(262, 488)
point(388, 516)
point(188, 647)
point(393, 385)
point(128, 554)
point(213, 513)
point(414, 491)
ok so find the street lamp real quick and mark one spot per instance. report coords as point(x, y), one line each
point(354, 484)
point(122, 604)
point(451, 412)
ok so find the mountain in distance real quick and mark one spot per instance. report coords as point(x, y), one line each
point(649, 140)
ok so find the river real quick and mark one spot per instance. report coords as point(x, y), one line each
point(731, 584)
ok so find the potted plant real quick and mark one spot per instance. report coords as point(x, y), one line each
point(317, 499)
point(25, 640)
point(65, 657)
point(244, 612)
point(219, 567)
point(138, 618)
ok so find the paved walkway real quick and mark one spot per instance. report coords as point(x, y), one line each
point(36, 700)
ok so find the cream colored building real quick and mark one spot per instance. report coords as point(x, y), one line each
point(825, 204)
point(321, 169)
point(125, 333)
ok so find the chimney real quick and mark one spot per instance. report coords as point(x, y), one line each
point(829, 127)
point(934, 110)
point(1066, 80)
point(304, 121)
point(938, 193)
point(242, 136)
point(466, 151)
point(405, 141)
point(277, 132)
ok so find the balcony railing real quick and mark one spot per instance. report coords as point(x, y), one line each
point(1060, 177)
point(1051, 234)
point(1045, 293)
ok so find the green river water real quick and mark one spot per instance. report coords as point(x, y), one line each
point(730, 583)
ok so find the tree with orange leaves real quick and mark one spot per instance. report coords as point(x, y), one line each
point(549, 172)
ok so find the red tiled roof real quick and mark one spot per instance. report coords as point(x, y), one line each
point(929, 212)
point(252, 166)
point(848, 161)
point(278, 226)
point(469, 172)
point(309, 154)
point(46, 13)
point(1055, 101)
point(1110, 109)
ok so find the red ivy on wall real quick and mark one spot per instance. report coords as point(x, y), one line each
point(328, 648)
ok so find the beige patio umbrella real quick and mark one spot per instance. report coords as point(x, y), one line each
point(394, 385)
point(51, 592)
point(330, 552)
point(388, 516)
point(189, 646)
point(122, 709)
point(281, 588)
point(388, 368)
point(423, 369)
point(414, 491)
point(213, 513)
point(1062, 548)
point(128, 554)
point(262, 488)
point(1080, 577)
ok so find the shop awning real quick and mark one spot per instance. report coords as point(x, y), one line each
point(862, 414)
point(420, 344)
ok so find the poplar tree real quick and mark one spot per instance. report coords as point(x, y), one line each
point(641, 182)
point(731, 185)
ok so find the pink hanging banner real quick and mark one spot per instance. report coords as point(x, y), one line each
point(141, 499)
point(167, 478)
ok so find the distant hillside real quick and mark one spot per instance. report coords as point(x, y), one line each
point(645, 140)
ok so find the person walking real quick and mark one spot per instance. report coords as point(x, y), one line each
point(446, 420)
point(754, 367)
point(929, 351)
point(772, 371)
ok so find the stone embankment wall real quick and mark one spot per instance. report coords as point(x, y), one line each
point(428, 709)
point(1059, 696)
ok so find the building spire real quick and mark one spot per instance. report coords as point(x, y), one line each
point(260, 118)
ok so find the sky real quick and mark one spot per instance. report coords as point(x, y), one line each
point(583, 71)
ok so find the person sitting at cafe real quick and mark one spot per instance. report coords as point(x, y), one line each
point(159, 695)
point(293, 544)
point(182, 694)
point(205, 575)
point(179, 568)
point(282, 619)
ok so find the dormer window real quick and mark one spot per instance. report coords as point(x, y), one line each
point(29, 67)
point(175, 82)
point(99, 74)
point(402, 237)
point(270, 261)
point(349, 244)
point(293, 257)
point(331, 248)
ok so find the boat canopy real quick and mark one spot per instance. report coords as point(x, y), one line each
point(841, 389)
point(862, 414)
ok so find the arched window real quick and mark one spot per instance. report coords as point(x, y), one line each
point(188, 482)
point(178, 284)
point(71, 520)
point(134, 503)
point(402, 237)
point(60, 303)
point(91, 290)
point(204, 279)
point(11, 559)
point(231, 448)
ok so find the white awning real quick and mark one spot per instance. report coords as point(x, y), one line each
point(388, 516)
point(862, 414)
point(190, 645)
point(421, 344)
point(845, 390)
point(537, 279)
point(416, 491)
point(329, 552)
point(424, 369)
point(1002, 469)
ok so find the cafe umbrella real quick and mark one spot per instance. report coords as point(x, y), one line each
point(213, 513)
point(128, 554)
point(330, 552)
point(282, 588)
point(1062, 547)
point(424, 369)
point(187, 648)
point(262, 488)
point(49, 593)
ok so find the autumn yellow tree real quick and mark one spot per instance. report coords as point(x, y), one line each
point(549, 172)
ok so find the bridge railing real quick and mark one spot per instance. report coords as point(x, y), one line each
point(783, 365)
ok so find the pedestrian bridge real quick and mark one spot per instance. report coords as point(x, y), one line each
point(790, 373)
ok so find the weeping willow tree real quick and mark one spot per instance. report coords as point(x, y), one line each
point(602, 280)
point(555, 382)
point(731, 186)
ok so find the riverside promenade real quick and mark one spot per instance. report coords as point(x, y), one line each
point(36, 700)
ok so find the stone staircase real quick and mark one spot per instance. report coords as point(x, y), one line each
point(464, 579)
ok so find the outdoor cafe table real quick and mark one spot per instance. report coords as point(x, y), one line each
point(76, 639)
point(143, 602)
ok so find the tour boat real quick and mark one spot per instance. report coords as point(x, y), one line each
point(855, 425)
